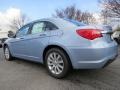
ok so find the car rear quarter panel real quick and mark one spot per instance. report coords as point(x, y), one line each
point(85, 53)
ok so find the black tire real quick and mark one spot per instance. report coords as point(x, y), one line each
point(10, 56)
point(65, 59)
point(117, 40)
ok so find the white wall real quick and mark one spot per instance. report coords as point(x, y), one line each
point(3, 35)
point(3, 31)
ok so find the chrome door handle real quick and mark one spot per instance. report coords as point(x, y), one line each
point(19, 38)
point(42, 34)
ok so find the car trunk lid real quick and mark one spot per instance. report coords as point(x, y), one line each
point(106, 32)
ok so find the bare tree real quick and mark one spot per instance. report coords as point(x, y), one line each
point(112, 7)
point(18, 22)
point(72, 12)
point(88, 18)
point(105, 16)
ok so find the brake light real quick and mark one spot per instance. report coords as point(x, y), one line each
point(89, 34)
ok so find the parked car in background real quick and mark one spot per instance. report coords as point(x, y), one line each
point(2, 40)
point(3, 36)
point(116, 36)
point(62, 44)
point(0, 44)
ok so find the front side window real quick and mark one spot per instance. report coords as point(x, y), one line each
point(38, 27)
point(23, 31)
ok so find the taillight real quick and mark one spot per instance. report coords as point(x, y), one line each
point(89, 34)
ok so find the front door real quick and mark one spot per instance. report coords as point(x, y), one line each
point(18, 43)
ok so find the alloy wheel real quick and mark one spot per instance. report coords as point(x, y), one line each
point(55, 63)
point(7, 54)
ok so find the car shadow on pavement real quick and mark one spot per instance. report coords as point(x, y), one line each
point(28, 62)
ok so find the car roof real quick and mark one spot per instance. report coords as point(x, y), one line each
point(59, 22)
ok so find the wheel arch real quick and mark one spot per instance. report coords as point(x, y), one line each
point(56, 46)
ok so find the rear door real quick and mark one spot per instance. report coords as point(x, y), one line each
point(39, 39)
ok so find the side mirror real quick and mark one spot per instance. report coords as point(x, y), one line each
point(11, 34)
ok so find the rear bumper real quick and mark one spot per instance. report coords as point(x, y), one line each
point(92, 57)
point(110, 61)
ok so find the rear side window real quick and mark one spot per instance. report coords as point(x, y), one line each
point(50, 26)
point(38, 27)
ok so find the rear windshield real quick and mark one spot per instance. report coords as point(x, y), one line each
point(77, 23)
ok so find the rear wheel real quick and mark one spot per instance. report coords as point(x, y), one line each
point(7, 54)
point(57, 63)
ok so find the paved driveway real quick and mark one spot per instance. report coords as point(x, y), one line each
point(24, 75)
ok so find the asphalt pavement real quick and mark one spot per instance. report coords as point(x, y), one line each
point(25, 75)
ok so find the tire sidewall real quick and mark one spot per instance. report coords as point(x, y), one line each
point(10, 57)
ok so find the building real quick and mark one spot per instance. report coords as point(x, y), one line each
point(3, 32)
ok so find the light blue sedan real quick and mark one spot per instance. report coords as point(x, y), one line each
point(62, 44)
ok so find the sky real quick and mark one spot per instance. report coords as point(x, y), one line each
point(36, 9)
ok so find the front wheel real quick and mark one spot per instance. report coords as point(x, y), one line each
point(7, 54)
point(57, 63)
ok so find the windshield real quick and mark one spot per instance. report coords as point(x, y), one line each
point(77, 23)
